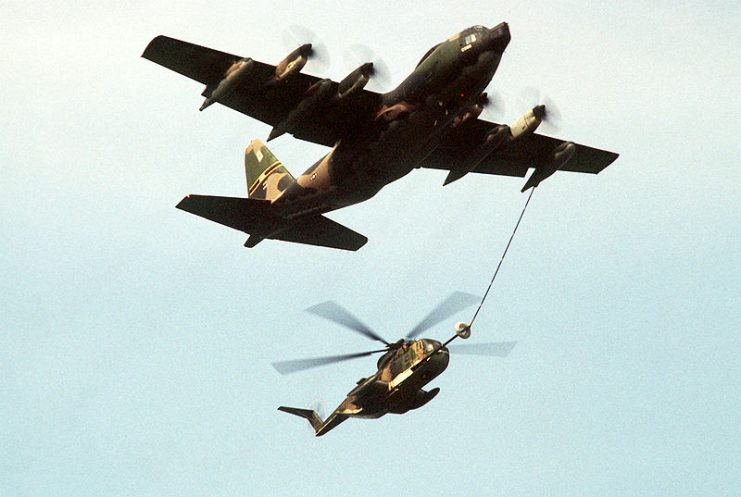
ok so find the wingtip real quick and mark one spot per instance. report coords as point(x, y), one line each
point(154, 41)
point(181, 205)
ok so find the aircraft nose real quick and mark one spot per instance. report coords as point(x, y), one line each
point(498, 37)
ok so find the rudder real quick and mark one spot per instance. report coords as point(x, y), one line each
point(267, 179)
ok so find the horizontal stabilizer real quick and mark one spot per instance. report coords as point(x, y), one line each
point(312, 416)
point(320, 427)
point(258, 218)
point(322, 231)
point(243, 214)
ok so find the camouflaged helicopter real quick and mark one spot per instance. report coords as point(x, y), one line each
point(405, 367)
point(431, 120)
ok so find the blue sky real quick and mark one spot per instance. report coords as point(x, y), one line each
point(137, 339)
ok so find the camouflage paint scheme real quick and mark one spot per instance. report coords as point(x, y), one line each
point(430, 120)
point(395, 388)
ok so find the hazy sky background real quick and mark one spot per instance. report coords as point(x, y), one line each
point(136, 339)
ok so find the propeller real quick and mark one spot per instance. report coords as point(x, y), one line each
point(493, 105)
point(457, 301)
point(380, 76)
point(295, 36)
point(338, 314)
point(288, 367)
point(550, 114)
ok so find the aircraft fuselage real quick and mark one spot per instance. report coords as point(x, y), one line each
point(397, 386)
point(408, 125)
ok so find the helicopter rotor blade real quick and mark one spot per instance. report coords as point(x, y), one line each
point(496, 349)
point(288, 367)
point(335, 312)
point(457, 301)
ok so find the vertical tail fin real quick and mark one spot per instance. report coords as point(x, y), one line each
point(320, 427)
point(267, 179)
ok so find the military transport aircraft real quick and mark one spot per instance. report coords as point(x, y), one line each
point(406, 366)
point(430, 120)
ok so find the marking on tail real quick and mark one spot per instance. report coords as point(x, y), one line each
point(266, 177)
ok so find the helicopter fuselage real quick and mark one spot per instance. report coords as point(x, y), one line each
point(397, 386)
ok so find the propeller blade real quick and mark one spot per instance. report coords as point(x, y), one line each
point(493, 106)
point(532, 97)
point(288, 367)
point(529, 97)
point(498, 349)
point(357, 54)
point(552, 119)
point(295, 36)
point(457, 301)
point(335, 312)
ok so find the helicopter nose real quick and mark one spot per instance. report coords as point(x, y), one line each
point(498, 37)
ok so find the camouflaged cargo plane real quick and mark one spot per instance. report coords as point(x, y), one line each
point(405, 367)
point(430, 120)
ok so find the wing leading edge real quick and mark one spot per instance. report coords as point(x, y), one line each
point(271, 104)
point(514, 158)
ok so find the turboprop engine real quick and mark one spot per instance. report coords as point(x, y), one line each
point(560, 156)
point(355, 81)
point(293, 63)
point(529, 122)
point(492, 140)
point(321, 94)
point(236, 73)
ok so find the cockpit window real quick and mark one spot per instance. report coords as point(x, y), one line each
point(427, 54)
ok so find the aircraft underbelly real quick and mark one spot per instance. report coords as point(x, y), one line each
point(398, 149)
point(359, 166)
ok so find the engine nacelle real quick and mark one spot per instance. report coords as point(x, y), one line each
point(496, 137)
point(236, 74)
point(293, 63)
point(560, 156)
point(493, 139)
point(528, 123)
point(355, 81)
point(319, 93)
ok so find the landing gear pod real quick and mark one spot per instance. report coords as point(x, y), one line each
point(462, 329)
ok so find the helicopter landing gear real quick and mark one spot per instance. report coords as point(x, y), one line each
point(462, 329)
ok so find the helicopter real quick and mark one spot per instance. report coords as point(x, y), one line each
point(405, 367)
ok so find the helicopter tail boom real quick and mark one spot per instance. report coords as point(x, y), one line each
point(320, 427)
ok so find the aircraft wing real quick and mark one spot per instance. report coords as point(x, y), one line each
point(269, 104)
point(511, 159)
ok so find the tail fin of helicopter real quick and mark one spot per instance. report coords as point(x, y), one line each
point(320, 427)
